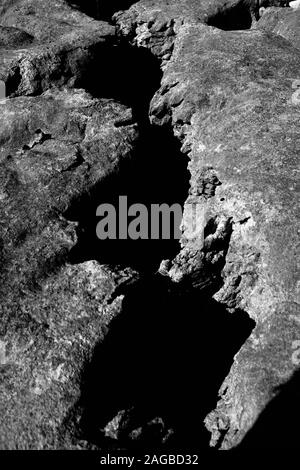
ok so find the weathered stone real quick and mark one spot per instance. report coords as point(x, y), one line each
point(13, 37)
point(55, 149)
point(65, 42)
point(285, 22)
point(232, 100)
point(154, 24)
point(101, 9)
point(241, 113)
point(50, 336)
point(50, 158)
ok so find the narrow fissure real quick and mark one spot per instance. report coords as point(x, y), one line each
point(125, 73)
point(156, 173)
point(162, 362)
point(157, 374)
point(101, 10)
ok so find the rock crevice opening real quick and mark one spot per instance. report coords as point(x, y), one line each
point(157, 374)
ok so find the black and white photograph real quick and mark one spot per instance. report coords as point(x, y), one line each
point(149, 229)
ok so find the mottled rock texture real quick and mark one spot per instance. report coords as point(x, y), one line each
point(285, 22)
point(62, 43)
point(229, 93)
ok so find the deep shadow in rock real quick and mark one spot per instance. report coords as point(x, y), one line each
point(165, 357)
point(90, 8)
point(101, 9)
point(168, 352)
point(235, 18)
point(127, 74)
point(156, 174)
point(109, 8)
point(278, 425)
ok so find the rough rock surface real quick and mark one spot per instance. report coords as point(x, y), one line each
point(232, 100)
point(63, 41)
point(230, 95)
point(55, 149)
point(285, 22)
point(154, 24)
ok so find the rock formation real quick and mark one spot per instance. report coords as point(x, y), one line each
point(149, 344)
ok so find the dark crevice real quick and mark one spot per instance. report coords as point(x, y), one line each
point(211, 227)
point(278, 425)
point(163, 361)
point(156, 174)
point(101, 10)
point(168, 352)
point(13, 81)
point(108, 9)
point(90, 7)
point(125, 73)
point(39, 138)
point(243, 14)
point(236, 18)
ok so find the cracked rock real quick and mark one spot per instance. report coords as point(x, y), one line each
point(62, 42)
point(232, 100)
point(70, 332)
